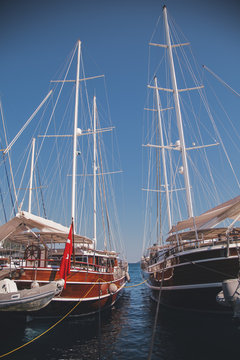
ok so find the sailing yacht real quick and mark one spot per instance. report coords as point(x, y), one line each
point(94, 278)
point(185, 264)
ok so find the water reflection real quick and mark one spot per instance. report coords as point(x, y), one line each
point(125, 333)
point(188, 335)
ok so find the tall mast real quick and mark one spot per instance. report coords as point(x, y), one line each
point(31, 177)
point(75, 133)
point(163, 155)
point(179, 117)
point(94, 172)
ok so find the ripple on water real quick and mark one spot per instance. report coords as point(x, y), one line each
point(126, 332)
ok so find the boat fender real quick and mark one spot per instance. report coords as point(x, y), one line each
point(127, 276)
point(230, 289)
point(34, 284)
point(112, 288)
point(7, 286)
point(60, 284)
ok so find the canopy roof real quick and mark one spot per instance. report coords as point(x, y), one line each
point(19, 229)
point(230, 209)
point(204, 234)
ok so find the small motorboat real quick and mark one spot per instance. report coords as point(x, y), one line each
point(33, 299)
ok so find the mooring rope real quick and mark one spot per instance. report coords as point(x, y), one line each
point(127, 287)
point(53, 326)
point(99, 323)
point(60, 320)
point(156, 314)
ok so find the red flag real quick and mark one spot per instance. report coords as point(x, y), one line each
point(66, 259)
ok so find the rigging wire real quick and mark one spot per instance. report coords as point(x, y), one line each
point(4, 211)
point(221, 81)
point(9, 187)
point(3, 206)
point(105, 199)
point(37, 197)
point(41, 193)
point(10, 164)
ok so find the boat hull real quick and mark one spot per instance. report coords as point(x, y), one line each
point(77, 308)
point(29, 300)
point(203, 300)
point(191, 281)
point(85, 292)
point(28, 304)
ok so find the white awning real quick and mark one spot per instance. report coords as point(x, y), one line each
point(203, 234)
point(17, 229)
point(230, 209)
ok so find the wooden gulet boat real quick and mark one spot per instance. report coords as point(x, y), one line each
point(94, 278)
point(187, 270)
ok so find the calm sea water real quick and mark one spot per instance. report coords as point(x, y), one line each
point(125, 333)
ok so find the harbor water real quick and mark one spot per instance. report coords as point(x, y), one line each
point(125, 332)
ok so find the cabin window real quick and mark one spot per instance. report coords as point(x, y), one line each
point(112, 262)
point(81, 259)
point(102, 261)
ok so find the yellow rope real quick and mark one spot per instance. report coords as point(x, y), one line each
point(136, 284)
point(53, 326)
point(59, 321)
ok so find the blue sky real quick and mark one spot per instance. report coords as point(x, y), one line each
point(36, 37)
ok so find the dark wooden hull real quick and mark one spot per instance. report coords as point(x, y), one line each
point(201, 300)
point(86, 291)
point(192, 280)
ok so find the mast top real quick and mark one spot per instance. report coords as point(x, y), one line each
point(178, 116)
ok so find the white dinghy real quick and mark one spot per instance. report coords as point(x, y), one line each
point(34, 299)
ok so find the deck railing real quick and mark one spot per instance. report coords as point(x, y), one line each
point(189, 245)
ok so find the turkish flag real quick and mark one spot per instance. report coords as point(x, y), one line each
point(66, 259)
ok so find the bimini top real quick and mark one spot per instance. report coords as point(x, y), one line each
point(203, 234)
point(230, 209)
point(20, 229)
